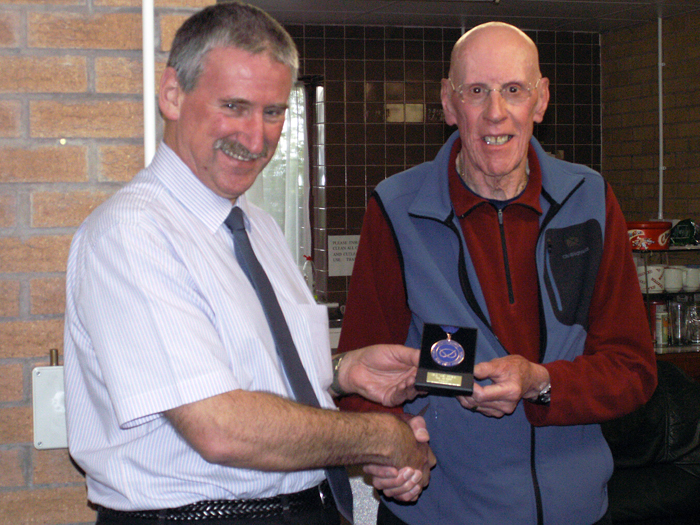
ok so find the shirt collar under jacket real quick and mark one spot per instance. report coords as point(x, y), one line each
point(464, 200)
point(184, 185)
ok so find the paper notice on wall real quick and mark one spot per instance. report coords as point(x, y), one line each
point(341, 254)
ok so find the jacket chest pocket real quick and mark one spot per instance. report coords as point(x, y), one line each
point(571, 264)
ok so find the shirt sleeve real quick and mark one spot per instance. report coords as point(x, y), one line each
point(151, 330)
point(617, 371)
point(376, 311)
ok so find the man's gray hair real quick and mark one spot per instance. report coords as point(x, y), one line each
point(228, 24)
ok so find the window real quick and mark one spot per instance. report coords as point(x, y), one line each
point(282, 189)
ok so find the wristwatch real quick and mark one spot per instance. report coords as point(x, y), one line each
point(335, 385)
point(544, 396)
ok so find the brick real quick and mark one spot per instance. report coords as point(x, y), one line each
point(61, 74)
point(78, 31)
point(169, 24)
point(48, 296)
point(10, 112)
point(9, 29)
point(62, 209)
point(12, 468)
point(9, 299)
point(11, 385)
point(16, 425)
point(46, 506)
point(34, 254)
point(121, 163)
point(44, 164)
point(8, 210)
point(30, 339)
point(118, 75)
point(54, 466)
point(108, 119)
point(184, 4)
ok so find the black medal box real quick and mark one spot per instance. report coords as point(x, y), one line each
point(446, 364)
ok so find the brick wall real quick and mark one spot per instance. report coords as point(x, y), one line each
point(71, 132)
point(630, 118)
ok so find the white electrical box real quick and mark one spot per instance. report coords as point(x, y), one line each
point(49, 408)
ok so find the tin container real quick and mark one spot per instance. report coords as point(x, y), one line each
point(649, 235)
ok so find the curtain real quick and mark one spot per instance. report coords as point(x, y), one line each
point(282, 189)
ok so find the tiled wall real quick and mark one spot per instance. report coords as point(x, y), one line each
point(382, 113)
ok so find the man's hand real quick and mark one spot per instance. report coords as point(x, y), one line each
point(381, 373)
point(513, 378)
point(407, 483)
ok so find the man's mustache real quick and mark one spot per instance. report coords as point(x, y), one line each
point(238, 151)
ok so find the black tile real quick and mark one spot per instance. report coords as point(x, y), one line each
point(335, 48)
point(334, 32)
point(413, 70)
point(357, 32)
point(583, 94)
point(583, 54)
point(374, 49)
point(565, 114)
point(355, 155)
point(313, 31)
point(432, 33)
point(415, 92)
point(355, 133)
point(375, 133)
point(564, 54)
point(355, 175)
point(335, 69)
point(393, 50)
point(395, 133)
point(314, 48)
point(432, 92)
point(355, 91)
point(335, 91)
point(375, 154)
point(547, 53)
point(546, 37)
point(394, 70)
point(354, 112)
point(413, 33)
point(335, 133)
point(295, 30)
point(394, 33)
point(565, 37)
point(415, 134)
point(415, 156)
point(374, 113)
point(355, 70)
point(335, 111)
point(374, 70)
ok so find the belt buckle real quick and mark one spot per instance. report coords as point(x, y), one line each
point(325, 496)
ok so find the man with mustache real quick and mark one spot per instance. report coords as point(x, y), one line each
point(178, 406)
point(531, 252)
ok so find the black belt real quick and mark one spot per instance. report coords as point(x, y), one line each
point(296, 503)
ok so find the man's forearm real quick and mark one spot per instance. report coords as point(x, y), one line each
point(263, 431)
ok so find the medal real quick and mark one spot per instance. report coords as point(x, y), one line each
point(447, 352)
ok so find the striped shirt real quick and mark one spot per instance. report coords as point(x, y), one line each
point(160, 314)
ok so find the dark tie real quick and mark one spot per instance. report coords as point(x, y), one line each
point(286, 350)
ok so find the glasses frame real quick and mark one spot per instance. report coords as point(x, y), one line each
point(459, 90)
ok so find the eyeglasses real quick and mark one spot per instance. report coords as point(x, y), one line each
point(476, 94)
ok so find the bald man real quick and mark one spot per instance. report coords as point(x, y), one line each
point(532, 252)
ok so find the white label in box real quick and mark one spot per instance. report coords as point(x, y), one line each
point(341, 254)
